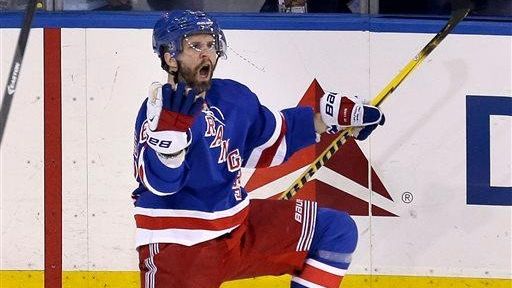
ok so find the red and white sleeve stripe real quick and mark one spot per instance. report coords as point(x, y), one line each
point(273, 151)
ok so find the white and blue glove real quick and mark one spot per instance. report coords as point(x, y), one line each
point(340, 112)
point(170, 114)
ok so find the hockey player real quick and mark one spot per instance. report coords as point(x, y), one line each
point(196, 227)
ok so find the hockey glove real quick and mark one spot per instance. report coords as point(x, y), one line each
point(340, 112)
point(170, 114)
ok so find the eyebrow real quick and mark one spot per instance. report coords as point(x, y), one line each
point(199, 41)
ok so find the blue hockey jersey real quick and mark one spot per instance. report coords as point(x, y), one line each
point(203, 199)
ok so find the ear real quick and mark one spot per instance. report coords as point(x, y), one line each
point(171, 62)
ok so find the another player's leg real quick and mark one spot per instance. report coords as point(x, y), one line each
point(331, 251)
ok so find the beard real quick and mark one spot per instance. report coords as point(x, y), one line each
point(190, 75)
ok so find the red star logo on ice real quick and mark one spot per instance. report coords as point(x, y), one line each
point(341, 184)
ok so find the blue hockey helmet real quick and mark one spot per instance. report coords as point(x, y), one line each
point(175, 25)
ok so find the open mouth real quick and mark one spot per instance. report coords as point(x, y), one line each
point(204, 70)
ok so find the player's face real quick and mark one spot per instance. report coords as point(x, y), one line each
point(197, 61)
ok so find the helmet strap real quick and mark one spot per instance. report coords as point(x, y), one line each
point(173, 69)
point(174, 75)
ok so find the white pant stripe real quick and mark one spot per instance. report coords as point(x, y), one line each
point(308, 226)
point(312, 224)
point(303, 231)
point(150, 264)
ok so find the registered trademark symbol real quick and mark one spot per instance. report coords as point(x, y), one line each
point(407, 197)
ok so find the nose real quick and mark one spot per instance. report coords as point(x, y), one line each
point(208, 54)
point(203, 54)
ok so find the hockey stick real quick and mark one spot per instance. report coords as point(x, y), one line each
point(376, 101)
point(14, 74)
